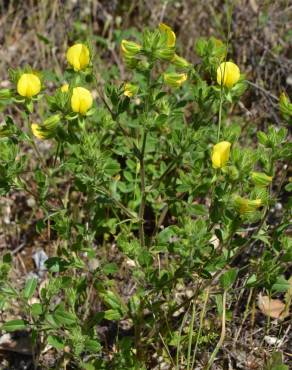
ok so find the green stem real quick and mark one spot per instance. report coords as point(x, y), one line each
point(220, 114)
point(143, 192)
point(191, 330)
point(202, 316)
point(142, 163)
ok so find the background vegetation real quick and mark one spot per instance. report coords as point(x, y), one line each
point(38, 33)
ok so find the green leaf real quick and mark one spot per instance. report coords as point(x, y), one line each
point(112, 315)
point(228, 278)
point(13, 325)
point(30, 287)
point(56, 264)
point(110, 268)
point(36, 309)
point(64, 318)
point(88, 366)
point(281, 285)
point(113, 301)
point(92, 345)
point(7, 258)
point(44, 39)
point(56, 342)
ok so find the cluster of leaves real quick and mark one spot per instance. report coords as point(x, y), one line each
point(136, 171)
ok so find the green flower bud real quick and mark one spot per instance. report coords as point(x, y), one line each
point(166, 53)
point(285, 105)
point(180, 62)
point(232, 172)
point(175, 79)
point(261, 179)
point(143, 65)
point(5, 94)
point(130, 48)
point(130, 90)
point(52, 122)
point(245, 206)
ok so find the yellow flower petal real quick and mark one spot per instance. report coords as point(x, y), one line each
point(228, 74)
point(81, 100)
point(220, 154)
point(130, 89)
point(171, 38)
point(28, 85)
point(36, 130)
point(78, 56)
point(65, 88)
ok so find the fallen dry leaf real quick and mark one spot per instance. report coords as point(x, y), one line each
point(272, 307)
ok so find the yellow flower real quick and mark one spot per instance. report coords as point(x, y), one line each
point(65, 88)
point(81, 100)
point(39, 132)
point(47, 129)
point(171, 38)
point(228, 74)
point(28, 85)
point(130, 90)
point(175, 79)
point(78, 56)
point(245, 206)
point(220, 154)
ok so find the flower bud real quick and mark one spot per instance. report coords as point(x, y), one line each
point(40, 132)
point(81, 100)
point(175, 79)
point(5, 94)
point(261, 179)
point(228, 74)
point(171, 38)
point(285, 105)
point(130, 90)
point(143, 65)
point(245, 206)
point(52, 122)
point(180, 62)
point(164, 53)
point(220, 154)
point(65, 88)
point(131, 62)
point(78, 56)
point(130, 48)
point(283, 98)
point(28, 85)
point(232, 172)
